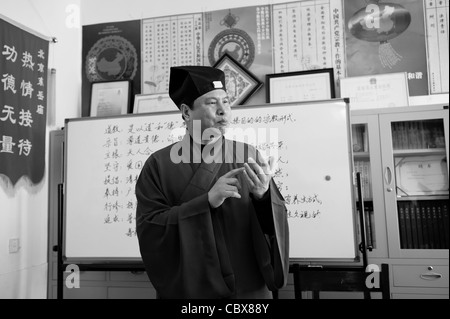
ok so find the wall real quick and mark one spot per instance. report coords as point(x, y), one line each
point(24, 208)
point(119, 10)
point(140, 9)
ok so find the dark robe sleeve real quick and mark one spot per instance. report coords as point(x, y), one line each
point(273, 252)
point(271, 238)
point(173, 237)
point(264, 213)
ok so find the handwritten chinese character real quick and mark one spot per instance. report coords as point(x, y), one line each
point(107, 219)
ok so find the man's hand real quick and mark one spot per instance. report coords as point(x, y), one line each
point(258, 177)
point(226, 186)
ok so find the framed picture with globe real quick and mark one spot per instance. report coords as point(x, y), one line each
point(240, 83)
point(110, 98)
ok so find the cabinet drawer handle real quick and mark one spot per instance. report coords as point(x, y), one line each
point(431, 276)
point(387, 175)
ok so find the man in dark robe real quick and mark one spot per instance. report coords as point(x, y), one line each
point(210, 220)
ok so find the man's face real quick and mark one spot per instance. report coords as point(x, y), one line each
point(212, 109)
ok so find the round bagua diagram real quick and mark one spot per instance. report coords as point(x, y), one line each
point(111, 58)
point(237, 43)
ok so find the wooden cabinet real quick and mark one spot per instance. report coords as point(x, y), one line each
point(402, 154)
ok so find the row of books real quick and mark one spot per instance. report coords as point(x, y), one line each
point(418, 135)
point(423, 224)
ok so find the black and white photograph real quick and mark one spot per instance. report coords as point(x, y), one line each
point(225, 158)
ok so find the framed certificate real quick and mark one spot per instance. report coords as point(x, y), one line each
point(110, 98)
point(376, 91)
point(153, 103)
point(421, 175)
point(240, 82)
point(312, 85)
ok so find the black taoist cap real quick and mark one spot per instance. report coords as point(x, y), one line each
point(187, 83)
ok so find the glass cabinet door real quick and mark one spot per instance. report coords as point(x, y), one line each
point(415, 179)
point(366, 159)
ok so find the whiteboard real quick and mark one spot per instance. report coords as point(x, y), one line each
point(310, 140)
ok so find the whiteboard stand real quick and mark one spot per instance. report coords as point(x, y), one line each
point(58, 248)
point(351, 278)
point(363, 245)
point(82, 267)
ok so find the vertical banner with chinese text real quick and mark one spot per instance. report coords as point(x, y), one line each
point(23, 103)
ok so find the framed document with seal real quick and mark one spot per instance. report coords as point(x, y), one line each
point(153, 103)
point(110, 98)
point(421, 175)
point(376, 91)
point(311, 85)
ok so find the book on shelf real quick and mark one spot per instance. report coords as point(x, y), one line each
point(426, 136)
point(396, 136)
point(420, 239)
point(414, 229)
point(431, 238)
point(367, 179)
point(365, 140)
point(411, 135)
point(403, 143)
point(368, 223)
point(440, 222)
point(363, 167)
point(437, 237)
point(426, 238)
point(368, 220)
point(445, 221)
point(402, 225)
point(409, 237)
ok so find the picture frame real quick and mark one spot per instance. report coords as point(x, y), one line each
point(110, 98)
point(421, 175)
point(376, 91)
point(241, 84)
point(300, 86)
point(153, 103)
